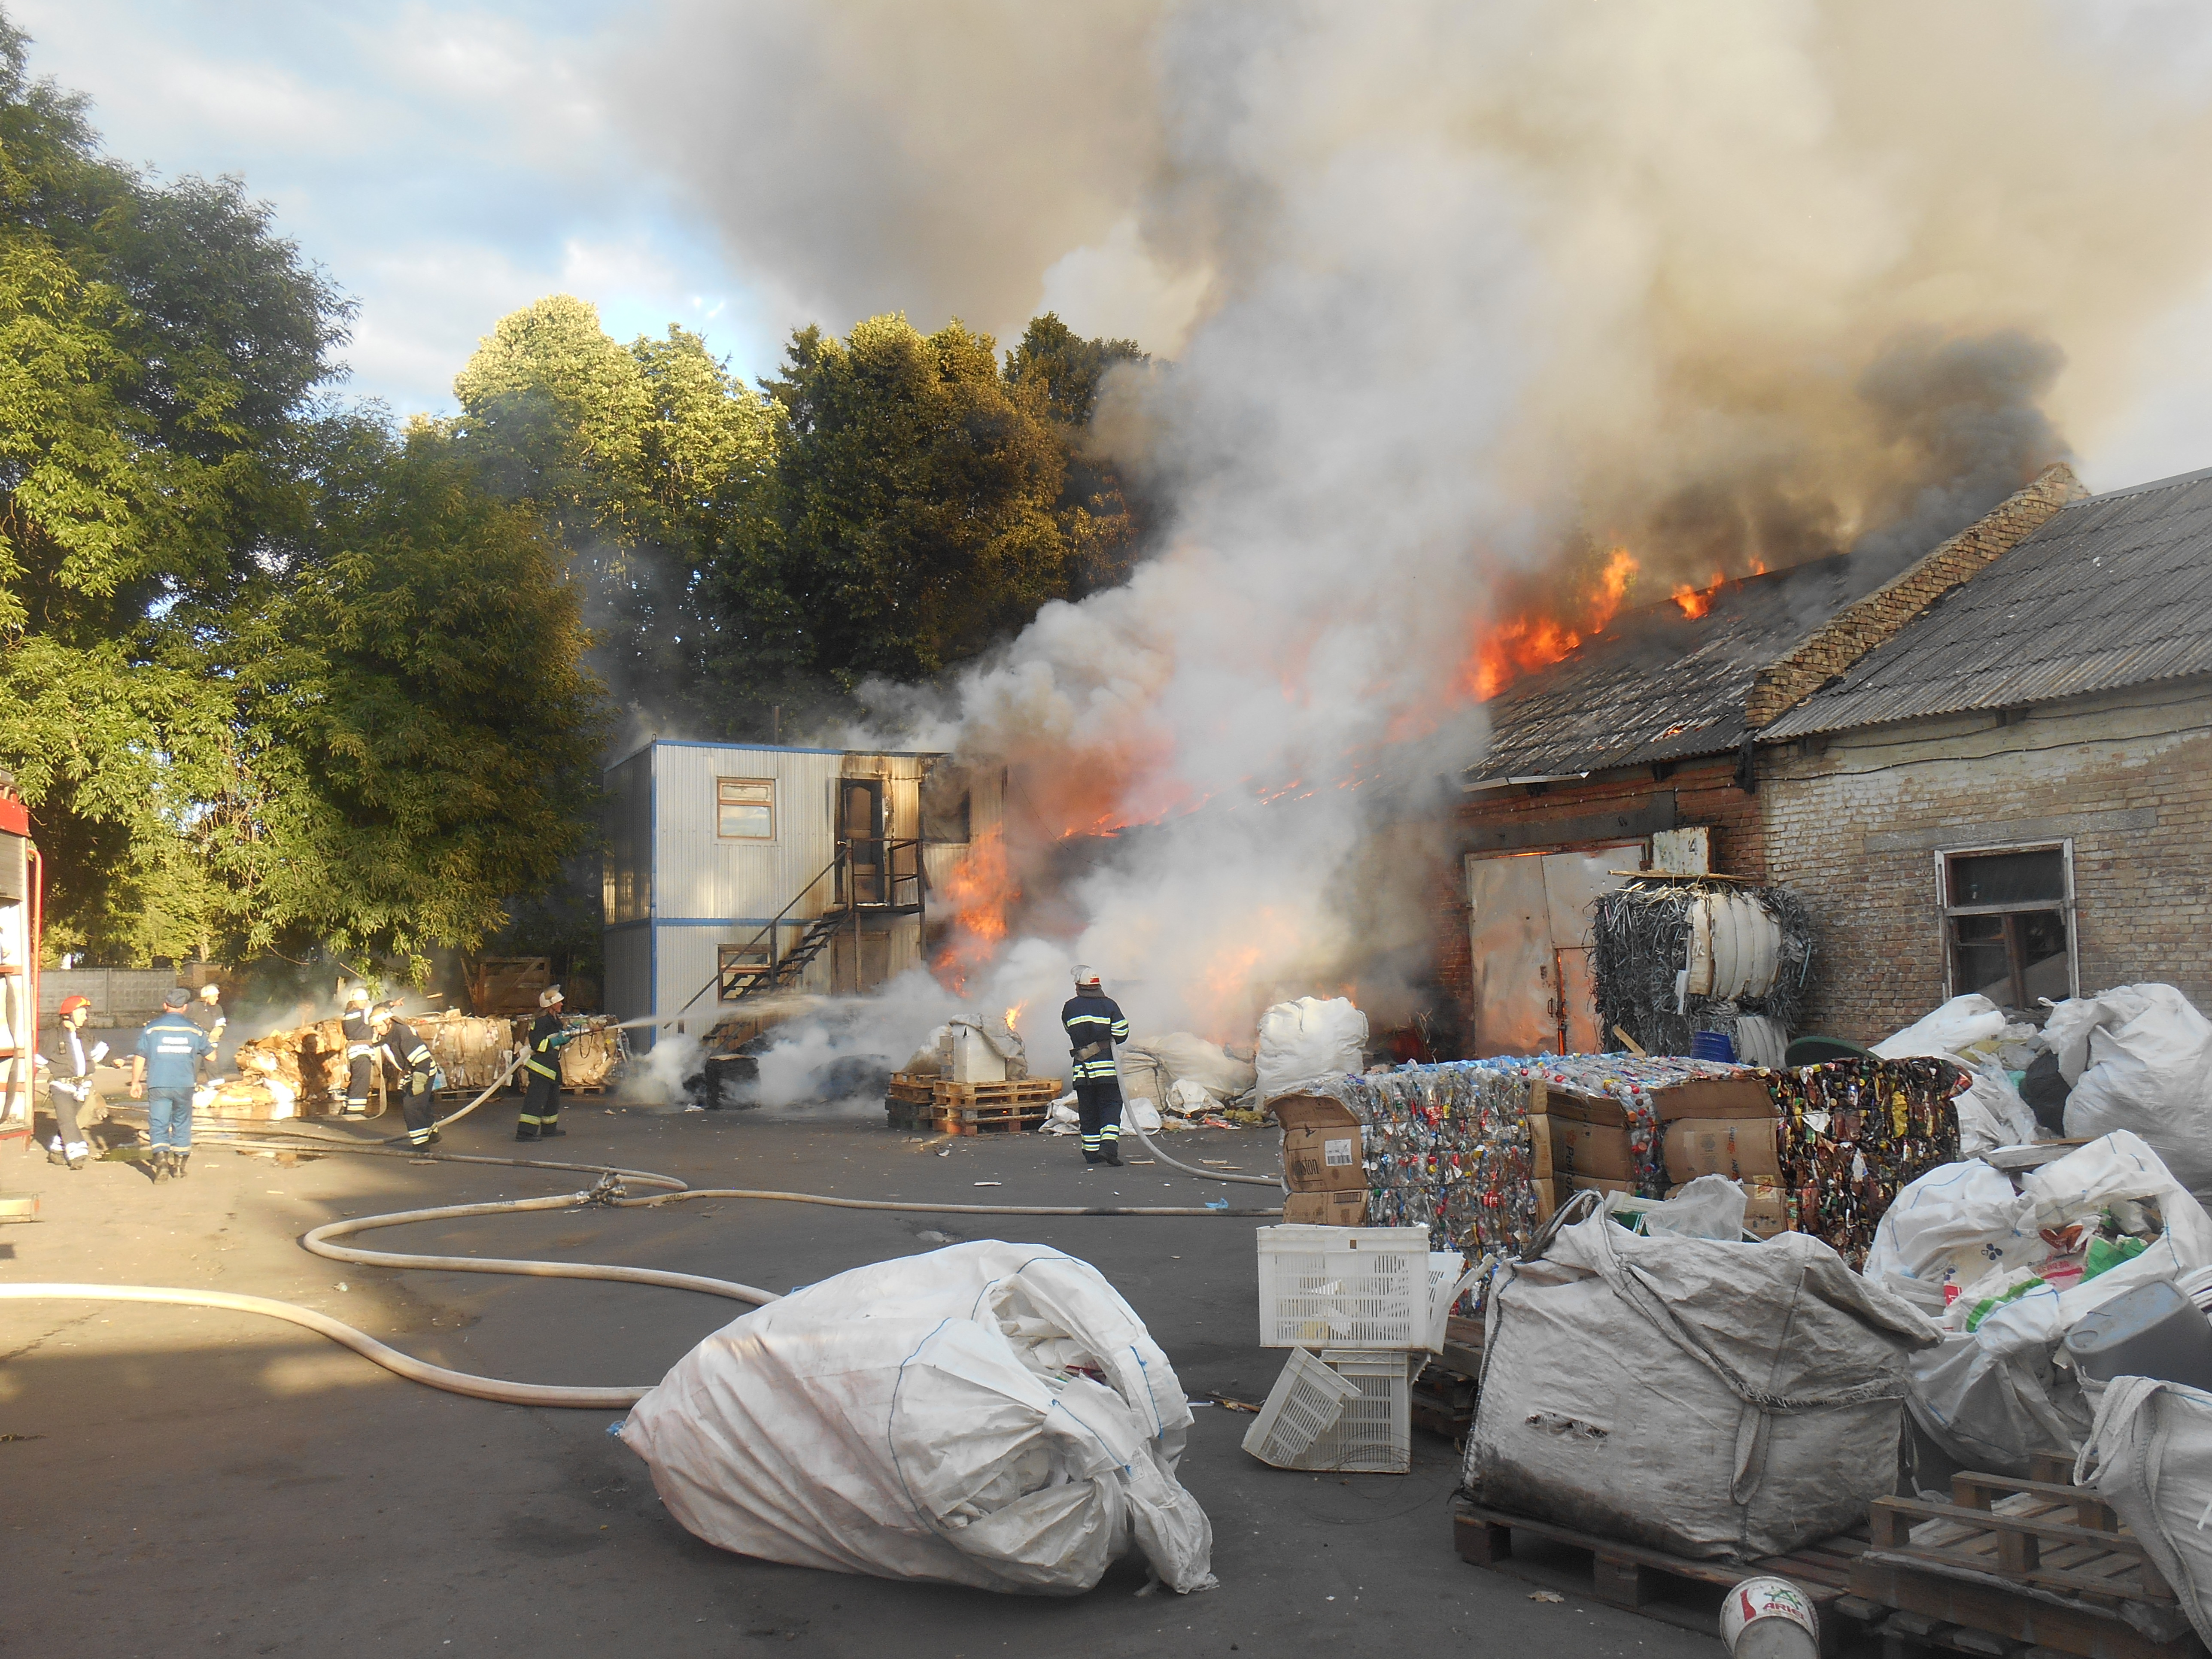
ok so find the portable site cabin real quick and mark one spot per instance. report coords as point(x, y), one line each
point(736, 870)
point(20, 885)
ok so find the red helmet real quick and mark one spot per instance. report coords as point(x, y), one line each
point(70, 1004)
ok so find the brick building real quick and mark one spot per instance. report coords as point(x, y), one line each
point(2012, 792)
point(1648, 746)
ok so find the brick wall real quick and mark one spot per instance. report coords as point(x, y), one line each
point(1704, 793)
point(1855, 829)
point(1863, 624)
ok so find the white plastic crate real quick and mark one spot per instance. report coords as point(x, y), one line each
point(1305, 1405)
point(1374, 1432)
point(1344, 1287)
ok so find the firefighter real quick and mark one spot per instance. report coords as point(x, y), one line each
point(541, 1105)
point(70, 1089)
point(163, 1074)
point(1095, 1025)
point(207, 1014)
point(361, 1051)
point(410, 1057)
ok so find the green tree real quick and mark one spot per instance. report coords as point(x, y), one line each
point(1098, 511)
point(205, 575)
point(642, 457)
point(913, 513)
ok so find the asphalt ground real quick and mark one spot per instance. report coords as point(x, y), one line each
point(177, 1480)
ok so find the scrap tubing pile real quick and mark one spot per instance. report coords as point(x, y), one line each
point(1676, 957)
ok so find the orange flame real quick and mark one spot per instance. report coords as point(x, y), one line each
point(1533, 640)
point(1696, 601)
point(979, 888)
point(1014, 1016)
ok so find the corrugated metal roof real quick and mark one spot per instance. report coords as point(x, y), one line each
point(1658, 685)
point(2114, 592)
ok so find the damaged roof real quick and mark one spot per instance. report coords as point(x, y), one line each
point(1658, 685)
point(2114, 592)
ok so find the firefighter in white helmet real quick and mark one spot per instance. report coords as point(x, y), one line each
point(540, 1119)
point(1095, 1024)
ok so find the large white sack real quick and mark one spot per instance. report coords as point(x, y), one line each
point(1308, 1039)
point(1185, 1057)
point(1989, 1410)
point(919, 1419)
point(1958, 1023)
point(2116, 1168)
point(1955, 1223)
point(2149, 1456)
point(2139, 1057)
point(1712, 1399)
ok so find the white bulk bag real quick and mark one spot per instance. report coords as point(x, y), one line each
point(1712, 1399)
point(1308, 1039)
point(2149, 1456)
point(2139, 1057)
point(922, 1418)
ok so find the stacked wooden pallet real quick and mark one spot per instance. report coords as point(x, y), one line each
point(1444, 1394)
point(942, 1107)
point(2037, 1567)
point(1652, 1582)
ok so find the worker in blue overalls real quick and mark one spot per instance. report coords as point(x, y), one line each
point(1095, 1024)
point(163, 1074)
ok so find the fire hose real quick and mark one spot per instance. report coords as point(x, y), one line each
point(611, 1191)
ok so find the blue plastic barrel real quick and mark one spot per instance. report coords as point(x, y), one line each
point(1712, 1045)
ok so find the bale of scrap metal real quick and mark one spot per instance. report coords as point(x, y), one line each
point(1668, 964)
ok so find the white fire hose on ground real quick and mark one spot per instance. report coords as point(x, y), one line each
point(610, 1191)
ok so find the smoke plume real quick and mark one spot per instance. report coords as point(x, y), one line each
point(1473, 294)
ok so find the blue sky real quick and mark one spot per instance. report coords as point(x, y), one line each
point(444, 164)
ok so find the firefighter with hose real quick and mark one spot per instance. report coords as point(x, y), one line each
point(361, 1051)
point(410, 1057)
point(1095, 1024)
point(540, 1118)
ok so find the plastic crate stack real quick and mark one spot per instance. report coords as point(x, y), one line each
point(1360, 1309)
point(1446, 1149)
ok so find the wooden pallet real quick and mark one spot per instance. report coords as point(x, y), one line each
point(1630, 1577)
point(2038, 1562)
point(1038, 1092)
point(962, 1119)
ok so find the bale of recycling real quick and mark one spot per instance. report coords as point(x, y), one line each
point(592, 1057)
point(309, 1059)
point(470, 1049)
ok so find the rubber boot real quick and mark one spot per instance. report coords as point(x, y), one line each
point(1111, 1152)
point(179, 1165)
point(55, 1155)
point(160, 1161)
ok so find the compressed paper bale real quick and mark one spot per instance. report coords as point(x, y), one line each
point(590, 1058)
point(472, 1050)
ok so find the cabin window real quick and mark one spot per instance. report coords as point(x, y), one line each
point(744, 808)
point(2008, 922)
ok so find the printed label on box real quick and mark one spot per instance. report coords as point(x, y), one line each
point(1336, 1152)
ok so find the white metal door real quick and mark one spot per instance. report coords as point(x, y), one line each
point(1530, 927)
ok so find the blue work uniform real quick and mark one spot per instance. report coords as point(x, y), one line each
point(171, 1044)
point(1094, 1025)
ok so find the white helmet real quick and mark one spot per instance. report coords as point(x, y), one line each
point(1084, 974)
point(357, 997)
point(549, 997)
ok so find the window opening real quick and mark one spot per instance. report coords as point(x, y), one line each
point(744, 808)
point(2008, 922)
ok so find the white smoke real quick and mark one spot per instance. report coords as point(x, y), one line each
point(1483, 286)
point(658, 1076)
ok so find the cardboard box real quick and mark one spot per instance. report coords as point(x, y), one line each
point(1326, 1209)
point(1742, 1149)
point(1699, 1097)
point(1321, 1146)
point(1556, 1191)
point(1563, 1146)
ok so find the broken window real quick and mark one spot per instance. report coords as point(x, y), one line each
point(2008, 922)
point(745, 808)
point(738, 966)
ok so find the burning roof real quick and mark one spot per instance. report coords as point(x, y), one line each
point(1666, 681)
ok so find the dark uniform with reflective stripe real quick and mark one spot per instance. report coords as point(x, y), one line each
point(541, 1104)
point(360, 1058)
point(1094, 1025)
point(412, 1056)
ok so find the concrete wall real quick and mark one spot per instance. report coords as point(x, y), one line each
point(1854, 824)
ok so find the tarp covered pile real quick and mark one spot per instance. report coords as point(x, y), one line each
point(988, 1414)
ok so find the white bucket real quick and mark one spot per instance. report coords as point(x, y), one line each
point(1770, 1619)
